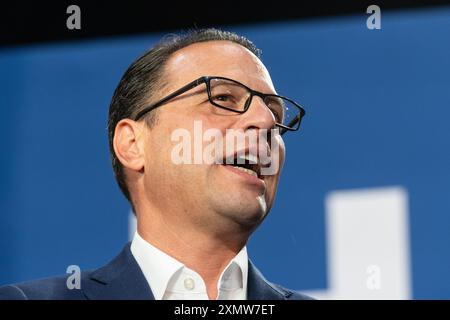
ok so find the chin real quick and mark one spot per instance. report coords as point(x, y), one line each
point(248, 214)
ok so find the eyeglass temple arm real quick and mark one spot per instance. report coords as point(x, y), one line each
point(294, 121)
point(183, 89)
point(288, 127)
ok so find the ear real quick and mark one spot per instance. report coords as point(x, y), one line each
point(127, 144)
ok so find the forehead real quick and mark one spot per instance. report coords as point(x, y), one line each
point(217, 58)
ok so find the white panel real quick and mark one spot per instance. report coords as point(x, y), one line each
point(368, 244)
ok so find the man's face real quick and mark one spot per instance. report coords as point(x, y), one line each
point(210, 195)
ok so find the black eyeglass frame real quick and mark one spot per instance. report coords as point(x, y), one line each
point(207, 81)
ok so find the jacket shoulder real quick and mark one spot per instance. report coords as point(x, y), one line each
point(54, 288)
point(292, 294)
point(12, 292)
point(119, 279)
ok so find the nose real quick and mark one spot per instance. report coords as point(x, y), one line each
point(257, 116)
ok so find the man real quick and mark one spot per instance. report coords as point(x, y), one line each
point(194, 215)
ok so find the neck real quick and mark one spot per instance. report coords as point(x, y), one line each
point(207, 253)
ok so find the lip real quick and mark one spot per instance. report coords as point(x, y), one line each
point(248, 178)
point(248, 151)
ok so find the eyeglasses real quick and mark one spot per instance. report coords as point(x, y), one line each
point(234, 96)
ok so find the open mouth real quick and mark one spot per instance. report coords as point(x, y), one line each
point(245, 163)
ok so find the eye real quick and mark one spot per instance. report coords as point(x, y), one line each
point(278, 117)
point(222, 97)
point(226, 100)
point(276, 108)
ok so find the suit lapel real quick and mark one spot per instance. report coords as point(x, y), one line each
point(258, 288)
point(121, 279)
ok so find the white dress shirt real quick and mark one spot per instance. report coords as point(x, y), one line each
point(169, 279)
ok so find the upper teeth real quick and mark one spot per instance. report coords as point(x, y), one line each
point(251, 158)
point(253, 173)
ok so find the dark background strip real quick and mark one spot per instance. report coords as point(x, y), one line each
point(45, 21)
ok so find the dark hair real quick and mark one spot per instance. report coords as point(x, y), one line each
point(143, 79)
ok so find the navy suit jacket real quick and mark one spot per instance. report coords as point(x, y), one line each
point(122, 279)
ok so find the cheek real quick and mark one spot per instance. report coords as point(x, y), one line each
point(178, 149)
point(282, 150)
point(155, 160)
point(281, 154)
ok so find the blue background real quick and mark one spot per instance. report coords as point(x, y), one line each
point(378, 114)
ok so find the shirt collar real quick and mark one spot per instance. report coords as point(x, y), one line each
point(159, 268)
point(235, 273)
